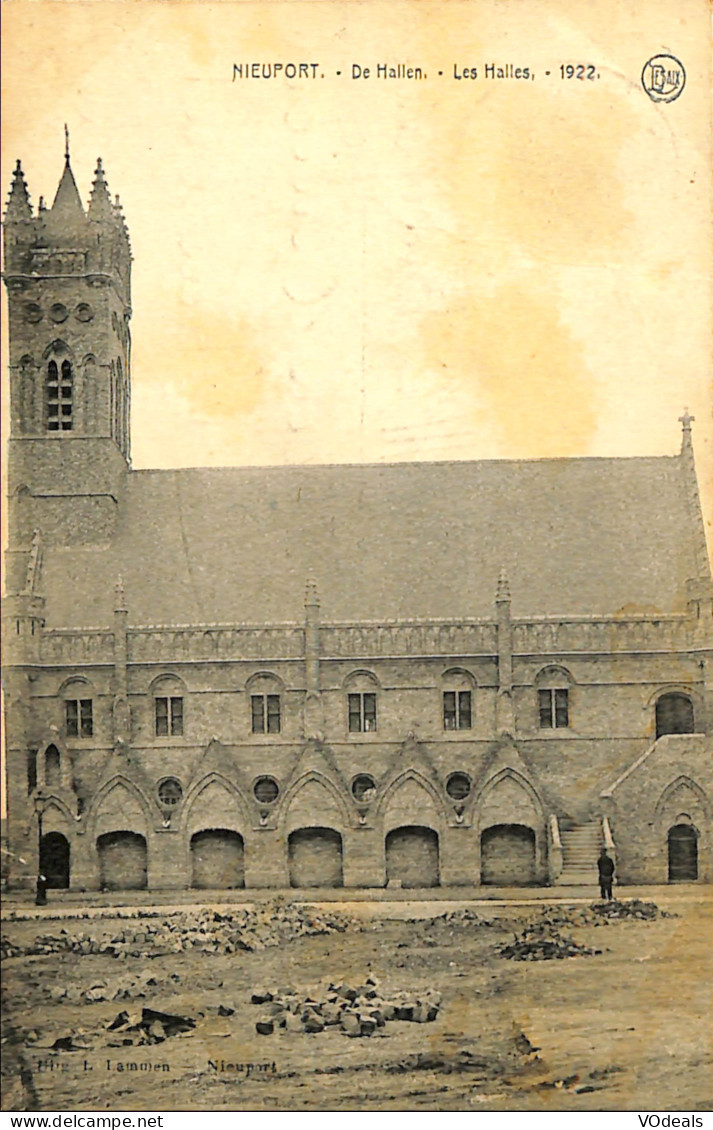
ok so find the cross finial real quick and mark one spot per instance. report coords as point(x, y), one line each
point(66, 143)
point(686, 420)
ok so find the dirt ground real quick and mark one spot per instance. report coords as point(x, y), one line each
point(626, 1029)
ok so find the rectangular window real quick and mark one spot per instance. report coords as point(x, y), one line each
point(169, 717)
point(456, 710)
point(561, 709)
point(265, 710)
point(79, 719)
point(554, 708)
point(72, 712)
point(273, 713)
point(362, 713)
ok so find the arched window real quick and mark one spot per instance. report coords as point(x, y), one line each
point(168, 707)
point(553, 698)
point(674, 714)
point(59, 397)
point(362, 689)
point(458, 700)
point(170, 792)
point(52, 767)
point(265, 704)
point(78, 709)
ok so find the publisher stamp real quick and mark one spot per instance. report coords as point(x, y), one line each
point(663, 78)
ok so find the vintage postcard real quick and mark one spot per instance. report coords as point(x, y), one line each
point(358, 627)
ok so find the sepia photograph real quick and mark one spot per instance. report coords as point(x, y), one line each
point(357, 660)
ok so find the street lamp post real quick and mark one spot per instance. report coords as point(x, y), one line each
point(41, 885)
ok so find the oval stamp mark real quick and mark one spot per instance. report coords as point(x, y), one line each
point(663, 78)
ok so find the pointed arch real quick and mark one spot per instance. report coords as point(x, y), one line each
point(680, 784)
point(196, 791)
point(55, 804)
point(58, 347)
point(299, 784)
point(411, 773)
point(137, 818)
point(498, 781)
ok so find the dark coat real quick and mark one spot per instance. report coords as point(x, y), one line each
point(606, 866)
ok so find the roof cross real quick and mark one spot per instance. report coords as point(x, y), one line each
point(686, 420)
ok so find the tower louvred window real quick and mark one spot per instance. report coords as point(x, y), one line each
point(59, 397)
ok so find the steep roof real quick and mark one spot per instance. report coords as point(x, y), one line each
point(407, 540)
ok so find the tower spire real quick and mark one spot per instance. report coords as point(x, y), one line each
point(685, 421)
point(99, 201)
point(67, 204)
point(18, 202)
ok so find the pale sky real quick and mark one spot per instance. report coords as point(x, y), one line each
point(344, 269)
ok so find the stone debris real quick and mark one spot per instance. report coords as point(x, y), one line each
point(540, 941)
point(208, 931)
point(355, 1011)
point(616, 911)
point(462, 917)
point(599, 914)
point(147, 1026)
point(113, 989)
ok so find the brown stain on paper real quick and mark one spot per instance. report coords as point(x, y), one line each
point(512, 351)
point(223, 372)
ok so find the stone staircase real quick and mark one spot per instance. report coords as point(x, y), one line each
point(581, 846)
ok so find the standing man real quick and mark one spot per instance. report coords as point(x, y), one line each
point(605, 865)
point(41, 890)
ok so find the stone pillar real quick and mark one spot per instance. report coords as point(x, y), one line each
point(313, 713)
point(459, 857)
point(168, 861)
point(363, 857)
point(504, 718)
point(266, 859)
point(84, 872)
point(121, 718)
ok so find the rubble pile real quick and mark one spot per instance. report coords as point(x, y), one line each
point(114, 989)
point(146, 1027)
point(353, 1010)
point(540, 941)
point(209, 931)
point(463, 917)
point(598, 914)
point(616, 911)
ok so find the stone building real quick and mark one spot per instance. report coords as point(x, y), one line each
point(417, 674)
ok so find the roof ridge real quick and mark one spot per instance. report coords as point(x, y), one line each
point(619, 459)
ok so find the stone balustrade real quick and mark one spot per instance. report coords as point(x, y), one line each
point(541, 636)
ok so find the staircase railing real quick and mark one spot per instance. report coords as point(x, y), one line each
point(608, 839)
point(555, 857)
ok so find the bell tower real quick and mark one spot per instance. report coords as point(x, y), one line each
point(68, 279)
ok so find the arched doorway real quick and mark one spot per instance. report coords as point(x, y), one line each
point(315, 857)
point(507, 856)
point(412, 857)
point(674, 714)
point(122, 861)
point(54, 860)
point(682, 853)
point(217, 859)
